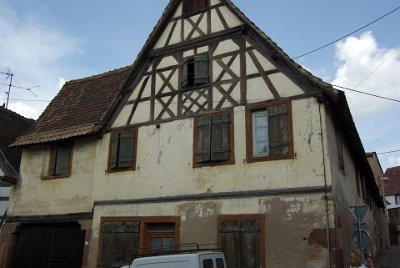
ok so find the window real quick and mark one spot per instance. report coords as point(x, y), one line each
point(119, 243)
point(213, 139)
point(339, 143)
point(195, 71)
point(397, 199)
point(208, 263)
point(242, 240)
point(220, 263)
point(160, 237)
point(122, 239)
point(194, 6)
point(60, 159)
point(269, 131)
point(122, 153)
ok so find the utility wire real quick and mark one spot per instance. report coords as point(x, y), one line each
point(347, 35)
point(365, 93)
point(26, 100)
point(394, 151)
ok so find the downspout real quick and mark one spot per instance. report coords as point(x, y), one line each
point(320, 101)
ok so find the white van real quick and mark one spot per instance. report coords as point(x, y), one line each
point(206, 259)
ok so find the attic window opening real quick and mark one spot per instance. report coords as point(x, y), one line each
point(194, 71)
point(194, 6)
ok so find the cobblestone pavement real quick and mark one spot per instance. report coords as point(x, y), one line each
point(391, 258)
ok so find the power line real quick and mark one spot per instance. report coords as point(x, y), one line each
point(366, 93)
point(10, 85)
point(26, 100)
point(394, 151)
point(347, 35)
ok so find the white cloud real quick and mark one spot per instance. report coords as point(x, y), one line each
point(366, 66)
point(61, 82)
point(26, 110)
point(34, 51)
point(394, 161)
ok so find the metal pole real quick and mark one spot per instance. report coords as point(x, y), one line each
point(9, 88)
point(360, 235)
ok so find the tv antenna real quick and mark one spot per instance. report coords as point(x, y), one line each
point(10, 76)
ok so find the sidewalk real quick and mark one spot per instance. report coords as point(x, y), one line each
point(390, 259)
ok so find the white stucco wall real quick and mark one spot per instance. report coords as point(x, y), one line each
point(164, 161)
point(34, 195)
point(164, 167)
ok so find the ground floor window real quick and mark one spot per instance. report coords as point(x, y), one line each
point(122, 239)
point(242, 240)
point(160, 237)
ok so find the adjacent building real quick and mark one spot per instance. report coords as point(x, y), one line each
point(12, 125)
point(213, 137)
point(392, 196)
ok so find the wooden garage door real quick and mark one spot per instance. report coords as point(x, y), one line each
point(50, 246)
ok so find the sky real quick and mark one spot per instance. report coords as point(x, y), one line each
point(44, 43)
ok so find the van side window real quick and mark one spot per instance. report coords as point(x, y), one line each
point(208, 263)
point(220, 263)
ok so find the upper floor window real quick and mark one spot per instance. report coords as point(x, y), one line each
point(195, 71)
point(213, 139)
point(60, 159)
point(339, 143)
point(194, 6)
point(122, 153)
point(269, 131)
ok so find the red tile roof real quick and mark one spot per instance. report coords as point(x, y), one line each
point(12, 126)
point(78, 109)
point(392, 184)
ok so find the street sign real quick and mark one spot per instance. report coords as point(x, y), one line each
point(361, 239)
point(359, 212)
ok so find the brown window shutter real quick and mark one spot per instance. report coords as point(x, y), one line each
point(201, 70)
point(62, 163)
point(230, 242)
point(184, 75)
point(120, 242)
point(278, 130)
point(114, 150)
point(125, 158)
point(220, 137)
point(240, 241)
point(53, 160)
point(203, 128)
point(249, 243)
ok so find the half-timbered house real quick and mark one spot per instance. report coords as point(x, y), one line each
point(213, 136)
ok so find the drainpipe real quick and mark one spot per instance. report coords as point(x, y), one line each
point(328, 240)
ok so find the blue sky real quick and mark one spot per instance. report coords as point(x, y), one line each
point(45, 42)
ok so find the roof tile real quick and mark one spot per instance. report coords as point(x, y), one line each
point(78, 109)
point(392, 184)
point(12, 126)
